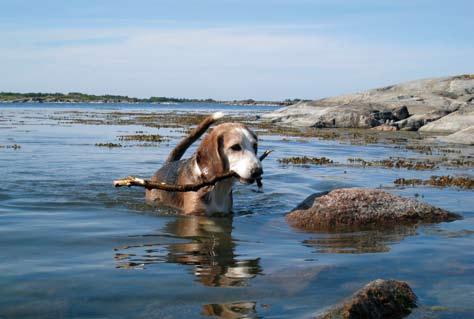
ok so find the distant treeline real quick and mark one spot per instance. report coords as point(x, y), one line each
point(76, 97)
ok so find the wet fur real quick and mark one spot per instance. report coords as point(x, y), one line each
point(208, 161)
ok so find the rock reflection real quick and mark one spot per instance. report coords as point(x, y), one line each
point(234, 310)
point(208, 246)
point(368, 241)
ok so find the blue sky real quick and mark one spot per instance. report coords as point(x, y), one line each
point(230, 49)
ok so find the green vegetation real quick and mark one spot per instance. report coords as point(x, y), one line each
point(76, 97)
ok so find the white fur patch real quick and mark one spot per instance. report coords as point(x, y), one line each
point(218, 115)
point(196, 169)
point(245, 161)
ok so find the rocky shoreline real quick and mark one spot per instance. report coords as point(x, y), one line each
point(438, 105)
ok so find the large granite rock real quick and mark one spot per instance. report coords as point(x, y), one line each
point(379, 299)
point(359, 208)
point(415, 121)
point(465, 136)
point(456, 121)
point(374, 107)
point(361, 115)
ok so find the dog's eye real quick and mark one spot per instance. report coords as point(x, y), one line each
point(236, 147)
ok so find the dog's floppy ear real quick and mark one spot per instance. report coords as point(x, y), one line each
point(209, 155)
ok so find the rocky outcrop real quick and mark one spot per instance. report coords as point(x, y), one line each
point(465, 136)
point(358, 208)
point(379, 299)
point(414, 122)
point(412, 105)
point(362, 115)
point(456, 121)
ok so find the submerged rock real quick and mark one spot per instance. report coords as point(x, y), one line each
point(379, 299)
point(358, 208)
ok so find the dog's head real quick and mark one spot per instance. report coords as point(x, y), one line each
point(230, 147)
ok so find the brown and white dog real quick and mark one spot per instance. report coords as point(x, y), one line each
point(228, 147)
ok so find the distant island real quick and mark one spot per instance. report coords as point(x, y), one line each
point(76, 97)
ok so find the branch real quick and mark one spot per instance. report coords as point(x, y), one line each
point(135, 181)
point(261, 158)
point(265, 154)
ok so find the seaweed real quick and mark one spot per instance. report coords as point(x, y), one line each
point(464, 182)
point(302, 160)
point(109, 145)
point(144, 138)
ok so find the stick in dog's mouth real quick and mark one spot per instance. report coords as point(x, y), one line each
point(135, 181)
point(246, 181)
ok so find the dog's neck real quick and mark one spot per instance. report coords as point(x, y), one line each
point(217, 198)
point(220, 197)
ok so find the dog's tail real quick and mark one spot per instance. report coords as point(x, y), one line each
point(186, 142)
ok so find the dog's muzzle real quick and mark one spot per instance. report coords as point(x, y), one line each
point(256, 173)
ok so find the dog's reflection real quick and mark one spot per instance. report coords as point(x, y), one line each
point(209, 247)
point(241, 310)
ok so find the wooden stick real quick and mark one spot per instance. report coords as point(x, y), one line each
point(135, 181)
point(265, 154)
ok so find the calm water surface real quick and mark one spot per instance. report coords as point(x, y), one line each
point(72, 246)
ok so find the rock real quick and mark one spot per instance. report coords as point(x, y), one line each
point(400, 113)
point(371, 108)
point(379, 299)
point(385, 127)
point(465, 136)
point(414, 122)
point(456, 121)
point(358, 208)
point(363, 115)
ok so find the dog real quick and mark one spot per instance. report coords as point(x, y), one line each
point(228, 147)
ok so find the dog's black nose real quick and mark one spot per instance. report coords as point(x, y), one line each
point(256, 172)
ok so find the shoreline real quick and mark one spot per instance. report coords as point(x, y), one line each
point(153, 103)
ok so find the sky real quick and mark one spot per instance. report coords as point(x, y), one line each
point(260, 49)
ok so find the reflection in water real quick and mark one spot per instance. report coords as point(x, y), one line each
point(368, 241)
point(209, 247)
point(231, 310)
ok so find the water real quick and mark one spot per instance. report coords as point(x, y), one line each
point(72, 246)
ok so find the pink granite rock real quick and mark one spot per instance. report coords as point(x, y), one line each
point(358, 208)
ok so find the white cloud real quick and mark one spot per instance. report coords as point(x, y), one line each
point(274, 62)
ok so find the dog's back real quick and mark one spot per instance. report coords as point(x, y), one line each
point(169, 173)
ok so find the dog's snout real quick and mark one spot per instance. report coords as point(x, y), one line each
point(256, 172)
